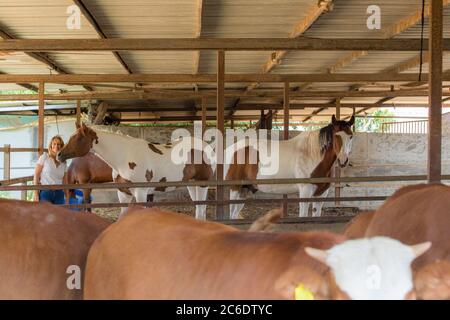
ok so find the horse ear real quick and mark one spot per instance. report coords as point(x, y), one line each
point(333, 119)
point(77, 125)
point(82, 127)
point(352, 120)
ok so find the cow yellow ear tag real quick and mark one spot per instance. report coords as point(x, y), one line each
point(303, 293)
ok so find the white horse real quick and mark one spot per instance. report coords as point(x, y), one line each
point(137, 160)
point(310, 154)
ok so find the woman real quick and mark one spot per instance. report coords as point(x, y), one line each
point(50, 171)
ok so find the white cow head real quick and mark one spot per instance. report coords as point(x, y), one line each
point(372, 268)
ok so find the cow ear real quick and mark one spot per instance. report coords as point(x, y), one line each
point(420, 248)
point(302, 283)
point(333, 119)
point(351, 121)
point(319, 255)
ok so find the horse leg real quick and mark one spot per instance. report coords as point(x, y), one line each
point(317, 206)
point(87, 198)
point(140, 194)
point(306, 191)
point(235, 208)
point(123, 198)
point(193, 195)
point(201, 195)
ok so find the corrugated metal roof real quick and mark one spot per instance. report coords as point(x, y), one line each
point(31, 19)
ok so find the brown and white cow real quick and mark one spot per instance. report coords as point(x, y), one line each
point(151, 254)
point(311, 154)
point(414, 214)
point(39, 243)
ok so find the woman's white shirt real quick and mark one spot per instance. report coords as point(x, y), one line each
point(51, 174)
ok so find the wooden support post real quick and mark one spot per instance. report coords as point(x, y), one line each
point(285, 134)
point(7, 162)
point(23, 193)
point(78, 112)
point(435, 92)
point(220, 213)
point(337, 169)
point(41, 118)
point(203, 102)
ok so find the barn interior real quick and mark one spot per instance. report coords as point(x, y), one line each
point(223, 63)
point(171, 102)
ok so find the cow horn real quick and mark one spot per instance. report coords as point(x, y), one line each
point(420, 248)
point(320, 255)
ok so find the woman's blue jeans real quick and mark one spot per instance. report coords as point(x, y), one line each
point(52, 196)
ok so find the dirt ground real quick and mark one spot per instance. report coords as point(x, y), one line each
point(252, 212)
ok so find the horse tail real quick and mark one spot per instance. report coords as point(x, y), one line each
point(70, 179)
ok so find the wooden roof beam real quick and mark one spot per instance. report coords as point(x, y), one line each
point(394, 30)
point(313, 13)
point(215, 44)
point(176, 94)
point(211, 78)
point(40, 57)
point(27, 86)
point(391, 32)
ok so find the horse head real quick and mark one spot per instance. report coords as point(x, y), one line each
point(342, 131)
point(79, 144)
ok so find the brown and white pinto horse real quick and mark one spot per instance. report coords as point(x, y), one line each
point(136, 160)
point(310, 154)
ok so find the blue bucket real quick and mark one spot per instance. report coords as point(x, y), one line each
point(78, 199)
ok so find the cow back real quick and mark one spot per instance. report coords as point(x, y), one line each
point(161, 255)
point(418, 214)
point(38, 243)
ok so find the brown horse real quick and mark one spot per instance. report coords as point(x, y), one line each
point(87, 169)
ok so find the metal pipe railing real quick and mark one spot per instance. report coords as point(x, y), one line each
point(213, 183)
point(225, 202)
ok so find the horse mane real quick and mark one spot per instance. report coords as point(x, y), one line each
point(325, 138)
point(108, 129)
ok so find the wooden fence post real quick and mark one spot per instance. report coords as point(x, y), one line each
point(7, 162)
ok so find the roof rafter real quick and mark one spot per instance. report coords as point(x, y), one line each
point(197, 34)
point(42, 58)
point(196, 57)
point(27, 86)
point(394, 30)
point(300, 27)
point(90, 17)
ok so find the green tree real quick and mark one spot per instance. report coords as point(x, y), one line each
point(374, 124)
